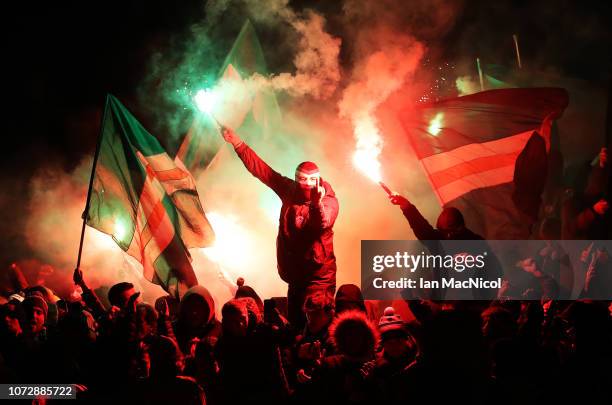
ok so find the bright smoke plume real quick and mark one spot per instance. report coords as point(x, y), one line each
point(320, 123)
point(317, 68)
point(373, 80)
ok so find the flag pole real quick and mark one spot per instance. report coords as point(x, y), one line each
point(480, 74)
point(518, 54)
point(91, 177)
point(217, 123)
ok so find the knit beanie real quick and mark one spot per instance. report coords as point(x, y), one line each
point(307, 168)
point(36, 300)
point(390, 322)
point(245, 291)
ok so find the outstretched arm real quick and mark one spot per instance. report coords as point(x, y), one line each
point(89, 296)
point(164, 325)
point(255, 165)
point(420, 226)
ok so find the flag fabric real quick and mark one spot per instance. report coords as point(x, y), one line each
point(245, 59)
point(473, 143)
point(200, 145)
point(146, 201)
point(494, 83)
point(499, 77)
point(493, 77)
point(257, 116)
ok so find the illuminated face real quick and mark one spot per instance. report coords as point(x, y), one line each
point(236, 323)
point(307, 180)
point(36, 319)
point(11, 323)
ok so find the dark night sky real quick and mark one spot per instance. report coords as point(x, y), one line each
point(64, 56)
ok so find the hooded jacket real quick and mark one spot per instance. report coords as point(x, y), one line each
point(250, 367)
point(304, 245)
point(346, 377)
point(197, 300)
point(349, 296)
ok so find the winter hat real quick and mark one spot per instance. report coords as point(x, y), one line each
point(16, 297)
point(349, 294)
point(245, 291)
point(307, 168)
point(195, 293)
point(390, 322)
point(353, 334)
point(244, 306)
point(36, 300)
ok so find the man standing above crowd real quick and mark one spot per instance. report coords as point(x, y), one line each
point(304, 245)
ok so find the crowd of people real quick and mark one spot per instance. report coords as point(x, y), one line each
point(349, 350)
point(322, 345)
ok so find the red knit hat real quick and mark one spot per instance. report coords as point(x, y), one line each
point(36, 300)
point(307, 168)
point(390, 322)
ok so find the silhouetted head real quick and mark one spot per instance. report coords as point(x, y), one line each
point(245, 291)
point(165, 358)
point(450, 221)
point(12, 317)
point(197, 308)
point(36, 310)
point(354, 336)
point(120, 293)
point(239, 316)
point(349, 297)
point(319, 310)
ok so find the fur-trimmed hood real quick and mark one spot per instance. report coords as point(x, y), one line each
point(353, 335)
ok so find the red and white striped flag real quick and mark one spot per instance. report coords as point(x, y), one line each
point(470, 143)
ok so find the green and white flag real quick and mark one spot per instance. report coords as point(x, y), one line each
point(146, 201)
